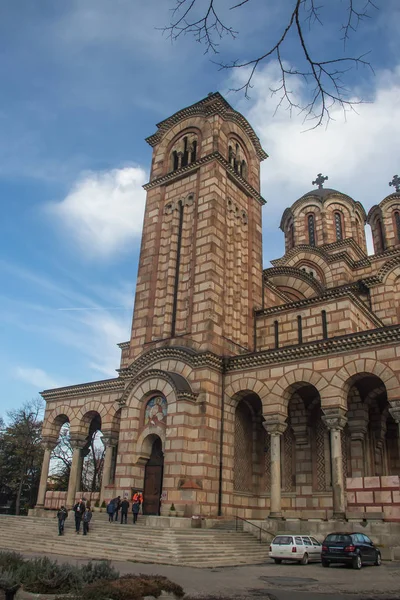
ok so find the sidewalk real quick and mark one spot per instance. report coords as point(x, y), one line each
point(270, 581)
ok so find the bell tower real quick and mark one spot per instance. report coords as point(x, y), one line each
point(200, 266)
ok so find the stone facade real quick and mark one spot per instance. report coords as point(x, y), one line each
point(247, 391)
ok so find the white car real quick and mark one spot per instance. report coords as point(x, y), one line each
point(300, 548)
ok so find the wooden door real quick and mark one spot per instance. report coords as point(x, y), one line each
point(153, 477)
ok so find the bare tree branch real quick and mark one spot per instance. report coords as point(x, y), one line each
point(323, 76)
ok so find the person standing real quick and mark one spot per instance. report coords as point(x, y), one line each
point(135, 510)
point(110, 511)
point(87, 517)
point(62, 514)
point(124, 510)
point(79, 510)
point(117, 506)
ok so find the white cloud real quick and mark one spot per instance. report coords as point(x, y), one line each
point(36, 377)
point(103, 212)
point(359, 154)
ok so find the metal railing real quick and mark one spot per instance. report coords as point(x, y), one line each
point(239, 527)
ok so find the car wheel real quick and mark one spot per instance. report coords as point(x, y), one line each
point(357, 562)
point(277, 561)
point(304, 560)
point(378, 559)
point(325, 563)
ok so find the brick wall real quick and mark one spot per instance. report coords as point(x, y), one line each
point(374, 495)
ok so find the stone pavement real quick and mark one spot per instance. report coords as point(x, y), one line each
point(270, 581)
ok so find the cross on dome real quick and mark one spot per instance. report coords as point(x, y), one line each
point(320, 180)
point(395, 183)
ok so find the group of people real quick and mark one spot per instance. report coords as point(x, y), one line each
point(83, 516)
point(116, 505)
point(83, 513)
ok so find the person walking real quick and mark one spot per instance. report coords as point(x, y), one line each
point(135, 510)
point(79, 510)
point(62, 514)
point(124, 510)
point(110, 511)
point(87, 517)
point(117, 506)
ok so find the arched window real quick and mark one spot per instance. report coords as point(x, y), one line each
point(397, 223)
point(311, 230)
point(381, 239)
point(236, 160)
point(338, 226)
point(184, 152)
point(291, 236)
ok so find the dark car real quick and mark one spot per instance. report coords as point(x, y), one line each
point(353, 549)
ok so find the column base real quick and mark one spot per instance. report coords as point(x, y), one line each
point(339, 516)
point(275, 515)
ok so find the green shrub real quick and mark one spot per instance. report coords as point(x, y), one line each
point(95, 571)
point(45, 576)
point(130, 587)
point(172, 506)
point(9, 561)
point(9, 582)
point(103, 504)
point(97, 503)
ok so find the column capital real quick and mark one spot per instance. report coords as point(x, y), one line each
point(109, 439)
point(275, 425)
point(334, 418)
point(77, 442)
point(394, 410)
point(49, 443)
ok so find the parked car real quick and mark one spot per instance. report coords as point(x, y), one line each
point(354, 549)
point(299, 548)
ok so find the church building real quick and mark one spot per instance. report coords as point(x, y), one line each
point(262, 393)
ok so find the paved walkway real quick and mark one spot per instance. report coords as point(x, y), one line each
point(270, 581)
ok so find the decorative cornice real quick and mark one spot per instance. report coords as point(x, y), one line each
point(330, 294)
point(95, 387)
point(329, 258)
point(186, 355)
point(181, 394)
point(345, 343)
point(124, 345)
point(193, 167)
point(211, 105)
point(387, 200)
point(294, 272)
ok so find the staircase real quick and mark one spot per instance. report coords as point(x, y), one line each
point(137, 543)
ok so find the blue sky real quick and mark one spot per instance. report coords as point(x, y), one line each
point(83, 83)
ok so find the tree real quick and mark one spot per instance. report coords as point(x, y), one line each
point(61, 460)
point(323, 74)
point(21, 454)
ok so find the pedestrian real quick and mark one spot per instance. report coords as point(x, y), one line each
point(87, 517)
point(117, 506)
point(135, 510)
point(124, 510)
point(110, 511)
point(79, 509)
point(62, 514)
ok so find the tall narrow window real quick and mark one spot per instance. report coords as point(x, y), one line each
point(338, 226)
point(380, 236)
point(291, 236)
point(300, 329)
point(311, 230)
point(397, 222)
point(324, 325)
point(276, 333)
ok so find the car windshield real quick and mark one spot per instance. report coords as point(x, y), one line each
point(338, 537)
point(283, 540)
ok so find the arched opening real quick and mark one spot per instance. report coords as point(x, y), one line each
point(249, 472)
point(397, 226)
point(61, 457)
point(338, 225)
point(92, 456)
point(372, 434)
point(153, 478)
point(311, 229)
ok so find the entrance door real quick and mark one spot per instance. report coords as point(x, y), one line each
point(153, 476)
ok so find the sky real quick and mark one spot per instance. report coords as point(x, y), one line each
point(83, 82)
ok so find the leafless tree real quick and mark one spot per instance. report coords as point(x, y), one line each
point(324, 76)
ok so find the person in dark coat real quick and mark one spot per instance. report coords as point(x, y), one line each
point(124, 510)
point(87, 517)
point(79, 510)
point(62, 514)
point(117, 506)
point(110, 511)
point(135, 510)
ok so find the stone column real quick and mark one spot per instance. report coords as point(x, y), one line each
point(77, 445)
point(109, 443)
point(335, 420)
point(275, 428)
point(49, 445)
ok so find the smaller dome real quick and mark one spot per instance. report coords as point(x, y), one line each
point(323, 193)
